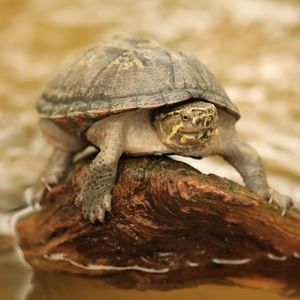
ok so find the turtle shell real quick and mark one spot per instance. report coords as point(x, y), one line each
point(129, 74)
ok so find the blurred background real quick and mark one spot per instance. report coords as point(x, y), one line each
point(252, 47)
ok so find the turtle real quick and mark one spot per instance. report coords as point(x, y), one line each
point(136, 97)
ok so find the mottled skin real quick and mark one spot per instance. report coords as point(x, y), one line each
point(195, 128)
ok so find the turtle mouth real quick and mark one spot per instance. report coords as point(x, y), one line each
point(198, 135)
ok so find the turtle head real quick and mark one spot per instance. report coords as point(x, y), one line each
point(187, 126)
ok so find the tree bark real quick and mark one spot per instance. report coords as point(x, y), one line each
point(170, 226)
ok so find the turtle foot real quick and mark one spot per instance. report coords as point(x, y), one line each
point(284, 202)
point(93, 204)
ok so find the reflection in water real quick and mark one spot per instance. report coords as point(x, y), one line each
point(19, 283)
point(252, 46)
point(54, 286)
point(15, 276)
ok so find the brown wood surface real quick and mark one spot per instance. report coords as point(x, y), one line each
point(183, 227)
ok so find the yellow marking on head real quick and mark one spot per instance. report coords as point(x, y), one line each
point(197, 108)
point(175, 129)
point(183, 139)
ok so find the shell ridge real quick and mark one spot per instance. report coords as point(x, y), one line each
point(106, 80)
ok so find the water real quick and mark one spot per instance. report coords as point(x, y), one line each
point(252, 47)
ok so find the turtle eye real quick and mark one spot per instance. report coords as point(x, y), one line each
point(185, 118)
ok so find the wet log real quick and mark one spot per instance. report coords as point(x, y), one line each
point(170, 226)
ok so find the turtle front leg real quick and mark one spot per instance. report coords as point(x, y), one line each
point(248, 163)
point(95, 196)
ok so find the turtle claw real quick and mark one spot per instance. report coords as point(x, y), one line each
point(101, 215)
point(107, 202)
point(48, 185)
point(271, 196)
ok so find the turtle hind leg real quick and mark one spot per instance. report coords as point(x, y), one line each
point(55, 171)
point(56, 167)
point(248, 163)
point(65, 146)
